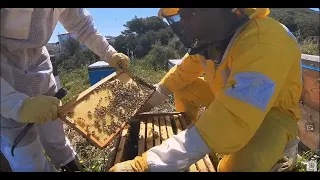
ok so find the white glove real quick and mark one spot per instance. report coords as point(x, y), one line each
point(177, 153)
point(161, 94)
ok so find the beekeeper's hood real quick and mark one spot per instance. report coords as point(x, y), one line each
point(198, 27)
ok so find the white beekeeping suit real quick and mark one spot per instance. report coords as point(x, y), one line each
point(26, 71)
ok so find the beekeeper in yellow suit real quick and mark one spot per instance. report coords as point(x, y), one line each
point(251, 90)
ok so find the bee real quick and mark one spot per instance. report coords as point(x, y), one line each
point(70, 114)
point(89, 114)
point(155, 134)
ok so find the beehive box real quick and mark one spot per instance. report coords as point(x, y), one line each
point(309, 124)
point(102, 111)
point(152, 130)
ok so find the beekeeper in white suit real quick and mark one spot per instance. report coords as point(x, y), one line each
point(28, 85)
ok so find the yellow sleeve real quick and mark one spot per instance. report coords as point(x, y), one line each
point(256, 78)
point(185, 73)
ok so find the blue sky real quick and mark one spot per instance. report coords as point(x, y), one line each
point(110, 21)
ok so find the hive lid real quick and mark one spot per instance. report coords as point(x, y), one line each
point(99, 64)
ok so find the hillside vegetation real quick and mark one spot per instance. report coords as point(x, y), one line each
point(301, 21)
point(152, 40)
point(150, 43)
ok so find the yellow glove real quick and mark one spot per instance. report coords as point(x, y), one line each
point(39, 109)
point(119, 61)
point(138, 164)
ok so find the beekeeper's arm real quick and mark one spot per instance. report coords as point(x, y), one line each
point(231, 120)
point(79, 21)
point(22, 108)
point(183, 74)
point(178, 77)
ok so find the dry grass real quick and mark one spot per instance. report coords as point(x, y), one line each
point(91, 157)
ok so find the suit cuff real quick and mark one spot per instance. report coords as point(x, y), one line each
point(163, 90)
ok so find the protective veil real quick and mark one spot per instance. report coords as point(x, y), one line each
point(26, 71)
point(217, 33)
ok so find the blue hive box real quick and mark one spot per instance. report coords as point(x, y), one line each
point(98, 71)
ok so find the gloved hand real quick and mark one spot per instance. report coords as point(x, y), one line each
point(161, 94)
point(119, 61)
point(138, 164)
point(39, 109)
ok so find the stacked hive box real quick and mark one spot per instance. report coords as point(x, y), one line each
point(154, 129)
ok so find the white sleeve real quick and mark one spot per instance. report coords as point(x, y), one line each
point(177, 153)
point(79, 22)
point(11, 101)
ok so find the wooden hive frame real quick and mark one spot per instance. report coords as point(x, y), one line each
point(156, 128)
point(81, 97)
point(120, 153)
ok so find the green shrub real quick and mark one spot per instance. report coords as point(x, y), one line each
point(142, 69)
point(310, 47)
point(302, 160)
point(158, 57)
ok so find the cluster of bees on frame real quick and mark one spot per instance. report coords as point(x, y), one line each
point(124, 99)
